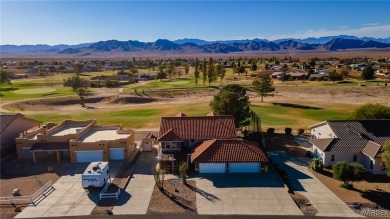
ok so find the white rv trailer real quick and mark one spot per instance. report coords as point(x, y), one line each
point(96, 175)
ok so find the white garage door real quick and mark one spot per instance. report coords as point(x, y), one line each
point(212, 167)
point(117, 153)
point(244, 167)
point(89, 156)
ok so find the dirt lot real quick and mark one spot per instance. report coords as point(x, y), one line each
point(372, 193)
point(283, 142)
point(175, 198)
point(20, 174)
point(304, 204)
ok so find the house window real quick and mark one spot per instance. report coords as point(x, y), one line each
point(371, 165)
point(332, 157)
point(355, 158)
point(192, 140)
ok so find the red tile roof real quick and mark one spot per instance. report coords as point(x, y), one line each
point(170, 136)
point(199, 127)
point(220, 151)
point(50, 146)
point(5, 120)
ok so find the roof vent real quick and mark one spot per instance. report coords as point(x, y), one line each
point(181, 115)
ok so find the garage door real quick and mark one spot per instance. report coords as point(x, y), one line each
point(244, 167)
point(89, 156)
point(212, 167)
point(117, 153)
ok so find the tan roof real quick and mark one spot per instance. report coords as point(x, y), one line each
point(371, 149)
point(322, 144)
point(199, 127)
point(227, 150)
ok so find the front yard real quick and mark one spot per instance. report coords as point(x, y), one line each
point(372, 193)
point(25, 176)
point(175, 197)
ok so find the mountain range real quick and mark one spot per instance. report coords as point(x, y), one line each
point(202, 46)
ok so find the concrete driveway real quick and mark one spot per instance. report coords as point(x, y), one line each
point(69, 198)
point(244, 194)
point(138, 193)
point(326, 202)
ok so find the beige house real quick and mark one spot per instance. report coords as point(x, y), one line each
point(77, 141)
point(11, 126)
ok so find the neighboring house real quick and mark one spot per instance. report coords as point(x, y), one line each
point(209, 142)
point(78, 141)
point(352, 141)
point(11, 126)
point(298, 75)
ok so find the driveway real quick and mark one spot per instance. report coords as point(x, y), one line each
point(69, 198)
point(140, 188)
point(244, 194)
point(304, 182)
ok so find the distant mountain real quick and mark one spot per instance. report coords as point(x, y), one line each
point(40, 47)
point(203, 42)
point(200, 46)
point(341, 44)
point(323, 40)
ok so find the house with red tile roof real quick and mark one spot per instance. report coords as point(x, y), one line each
point(210, 142)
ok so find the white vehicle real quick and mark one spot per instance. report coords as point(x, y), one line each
point(96, 175)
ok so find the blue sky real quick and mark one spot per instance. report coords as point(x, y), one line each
point(72, 22)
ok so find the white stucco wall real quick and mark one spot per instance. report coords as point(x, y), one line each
point(322, 131)
point(376, 168)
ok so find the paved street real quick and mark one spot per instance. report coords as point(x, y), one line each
point(135, 199)
point(245, 194)
point(326, 202)
point(69, 198)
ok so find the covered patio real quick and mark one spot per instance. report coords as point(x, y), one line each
point(41, 150)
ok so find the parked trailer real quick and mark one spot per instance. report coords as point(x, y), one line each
point(96, 175)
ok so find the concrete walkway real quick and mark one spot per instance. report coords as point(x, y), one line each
point(136, 197)
point(304, 182)
point(243, 194)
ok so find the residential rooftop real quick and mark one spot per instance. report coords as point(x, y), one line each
point(68, 129)
point(99, 134)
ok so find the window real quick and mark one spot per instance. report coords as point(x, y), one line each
point(371, 165)
point(355, 158)
point(192, 140)
point(332, 157)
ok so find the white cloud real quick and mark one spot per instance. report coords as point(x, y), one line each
point(367, 30)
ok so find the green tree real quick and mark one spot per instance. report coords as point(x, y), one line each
point(263, 86)
point(232, 100)
point(211, 75)
point(78, 68)
point(335, 76)
point(241, 70)
point(196, 71)
point(171, 70)
point(186, 68)
point(385, 155)
point(253, 66)
point(349, 173)
point(183, 167)
point(368, 73)
point(5, 77)
point(221, 71)
point(81, 92)
point(203, 69)
point(371, 111)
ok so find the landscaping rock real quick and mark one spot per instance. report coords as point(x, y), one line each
point(16, 192)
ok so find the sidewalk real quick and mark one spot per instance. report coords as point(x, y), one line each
point(304, 182)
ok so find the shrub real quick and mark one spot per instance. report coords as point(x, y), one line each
point(183, 167)
point(371, 111)
point(301, 131)
point(349, 172)
point(161, 75)
point(316, 164)
point(288, 131)
point(270, 131)
point(111, 83)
